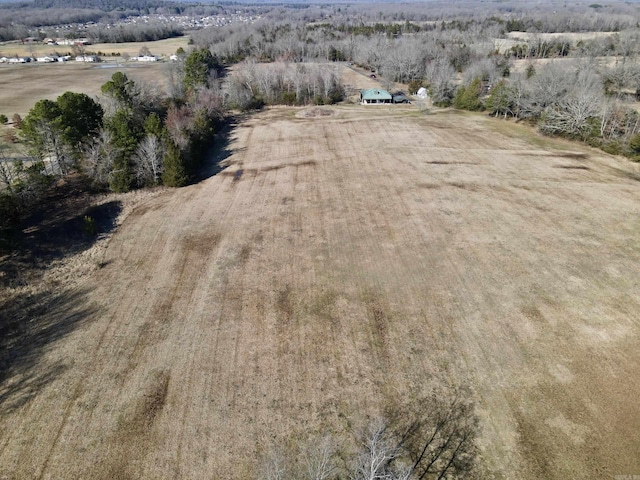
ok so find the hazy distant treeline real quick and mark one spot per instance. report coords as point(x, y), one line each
point(38, 19)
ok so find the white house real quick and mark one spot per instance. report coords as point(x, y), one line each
point(86, 58)
point(147, 58)
point(47, 59)
point(72, 41)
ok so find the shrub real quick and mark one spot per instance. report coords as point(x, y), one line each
point(255, 103)
point(288, 98)
point(634, 144)
point(530, 71)
point(336, 94)
point(89, 226)
point(3, 118)
point(414, 86)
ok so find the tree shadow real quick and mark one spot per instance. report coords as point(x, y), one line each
point(64, 232)
point(54, 230)
point(29, 327)
point(219, 151)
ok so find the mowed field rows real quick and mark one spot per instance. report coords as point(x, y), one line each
point(346, 259)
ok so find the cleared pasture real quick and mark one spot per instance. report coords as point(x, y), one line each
point(362, 255)
point(21, 86)
point(160, 47)
point(571, 36)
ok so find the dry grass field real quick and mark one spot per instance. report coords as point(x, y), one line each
point(362, 255)
point(571, 36)
point(21, 86)
point(164, 47)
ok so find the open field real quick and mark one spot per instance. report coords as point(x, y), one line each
point(572, 36)
point(363, 255)
point(160, 47)
point(21, 86)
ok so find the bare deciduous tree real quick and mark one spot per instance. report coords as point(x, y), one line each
point(426, 439)
point(379, 455)
point(7, 172)
point(99, 157)
point(53, 150)
point(148, 160)
point(570, 115)
point(549, 85)
point(440, 75)
point(319, 460)
point(275, 466)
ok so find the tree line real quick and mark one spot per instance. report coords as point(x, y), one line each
point(135, 137)
point(253, 84)
point(576, 95)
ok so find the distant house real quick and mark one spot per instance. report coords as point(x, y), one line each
point(147, 58)
point(47, 59)
point(87, 58)
point(375, 96)
point(19, 60)
point(73, 41)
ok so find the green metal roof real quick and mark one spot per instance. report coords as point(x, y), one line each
point(375, 94)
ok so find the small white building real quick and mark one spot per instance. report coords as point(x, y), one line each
point(173, 58)
point(422, 93)
point(147, 58)
point(47, 59)
point(72, 41)
point(87, 58)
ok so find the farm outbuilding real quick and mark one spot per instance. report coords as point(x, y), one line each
point(400, 98)
point(422, 93)
point(375, 96)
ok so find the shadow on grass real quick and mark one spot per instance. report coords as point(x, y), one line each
point(53, 231)
point(65, 232)
point(29, 327)
point(219, 150)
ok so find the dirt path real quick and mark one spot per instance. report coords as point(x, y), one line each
point(358, 258)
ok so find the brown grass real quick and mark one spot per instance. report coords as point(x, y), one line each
point(161, 47)
point(21, 86)
point(389, 254)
